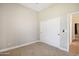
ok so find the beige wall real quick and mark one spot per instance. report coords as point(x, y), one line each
point(75, 18)
point(58, 10)
point(18, 25)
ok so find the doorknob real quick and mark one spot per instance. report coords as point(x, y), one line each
point(61, 34)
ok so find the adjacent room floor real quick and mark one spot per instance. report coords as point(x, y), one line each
point(74, 47)
point(36, 49)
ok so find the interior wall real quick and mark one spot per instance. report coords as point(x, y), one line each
point(60, 10)
point(18, 25)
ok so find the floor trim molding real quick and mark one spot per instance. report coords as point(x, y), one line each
point(10, 48)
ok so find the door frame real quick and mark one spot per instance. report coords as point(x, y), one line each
point(69, 19)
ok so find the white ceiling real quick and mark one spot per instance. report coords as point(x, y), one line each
point(37, 6)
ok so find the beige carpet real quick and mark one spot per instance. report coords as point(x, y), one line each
point(36, 49)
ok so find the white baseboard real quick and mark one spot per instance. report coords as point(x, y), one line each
point(25, 44)
point(54, 46)
point(63, 49)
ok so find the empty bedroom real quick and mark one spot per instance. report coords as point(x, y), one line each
point(36, 29)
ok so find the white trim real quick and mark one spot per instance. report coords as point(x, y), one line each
point(54, 46)
point(71, 25)
point(70, 22)
point(74, 12)
point(64, 49)
point(6, 49)
point(25, 44)
point(70, 28)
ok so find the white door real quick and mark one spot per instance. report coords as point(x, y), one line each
point(49, 30)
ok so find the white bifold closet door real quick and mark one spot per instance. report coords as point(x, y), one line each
point(49, 31)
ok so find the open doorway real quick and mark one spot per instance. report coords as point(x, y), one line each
point(74, 31)
point(76, 28)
